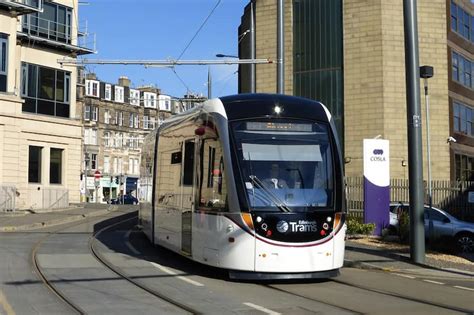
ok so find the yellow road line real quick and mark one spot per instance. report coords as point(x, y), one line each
point(6, 306)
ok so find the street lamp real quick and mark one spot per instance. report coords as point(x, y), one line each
point(426, 72)
point(226, 56)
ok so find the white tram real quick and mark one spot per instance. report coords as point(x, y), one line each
point(252, 183)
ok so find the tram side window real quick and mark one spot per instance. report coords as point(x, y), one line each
point(213, 186)
point(188, 167)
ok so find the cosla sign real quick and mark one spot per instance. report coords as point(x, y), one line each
point(376, 183)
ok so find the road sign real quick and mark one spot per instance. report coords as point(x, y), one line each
point(97, 175)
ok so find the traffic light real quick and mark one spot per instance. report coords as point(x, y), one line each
point(116, 180)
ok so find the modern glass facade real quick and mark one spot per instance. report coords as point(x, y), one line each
point(318, 55)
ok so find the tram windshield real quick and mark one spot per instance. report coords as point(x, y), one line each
point(286, 164)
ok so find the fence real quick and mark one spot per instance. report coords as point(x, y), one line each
point(7, 198)
point(451, 196)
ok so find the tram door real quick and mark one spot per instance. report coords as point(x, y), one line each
point(187, 193)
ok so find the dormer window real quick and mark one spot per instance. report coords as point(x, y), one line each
point(108, 92)
point(149, 99)
point(134, 97)
point(92, 88)
point(119, 94)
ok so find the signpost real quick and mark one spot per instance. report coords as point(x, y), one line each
point(97, 176)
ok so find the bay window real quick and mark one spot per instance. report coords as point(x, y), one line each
point(45, 90)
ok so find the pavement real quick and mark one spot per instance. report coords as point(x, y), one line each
point(357, 255)
point(25, 220)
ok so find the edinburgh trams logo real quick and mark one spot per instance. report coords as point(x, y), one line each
point(378, 156)
point(300, 226)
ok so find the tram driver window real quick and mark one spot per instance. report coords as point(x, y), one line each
point(213, 188)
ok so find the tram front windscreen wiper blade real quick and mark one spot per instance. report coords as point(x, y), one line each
point(273, 198)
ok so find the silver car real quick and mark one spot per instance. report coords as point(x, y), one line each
point(444, 225)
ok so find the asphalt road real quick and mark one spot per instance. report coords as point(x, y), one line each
point(66, 260)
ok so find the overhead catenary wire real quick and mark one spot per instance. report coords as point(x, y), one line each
point(199, 29)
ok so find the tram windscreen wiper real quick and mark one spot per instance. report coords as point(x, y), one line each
point(273, 198)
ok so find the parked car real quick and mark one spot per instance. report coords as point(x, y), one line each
point(126, 200)
point(445, 226)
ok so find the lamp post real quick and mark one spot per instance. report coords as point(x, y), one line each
point(426, 72)
point(86, 160)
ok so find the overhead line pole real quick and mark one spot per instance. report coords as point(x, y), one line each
point(415, 157)
point(280, 48)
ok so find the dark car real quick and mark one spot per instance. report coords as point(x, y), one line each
point(445, 226)
point(126, 200)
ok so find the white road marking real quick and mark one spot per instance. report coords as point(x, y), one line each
point(6, 306)
point(404, 276)
point(431, 281)
point(166, 270)
point(129, 245)
point(261, 308)
point(463, 288)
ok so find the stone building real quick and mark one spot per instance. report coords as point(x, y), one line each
point(349, 54)
point(40, 135)
point(116, 118)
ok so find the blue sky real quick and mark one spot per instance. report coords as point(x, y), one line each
point(161, 29)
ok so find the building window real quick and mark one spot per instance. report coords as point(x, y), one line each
point(91, 113)
point(106, 139)
point(119, 141)
point(55, 166)
point(120, 165)
point(54, 23)
point(45, 90)
point(462, 119)
point(3, 62)
point(454, 16)
point(106, 164)
point(92, 88)
point(34, 164)
point(462, 22)
point(90, 136)
point(464, 167)
point(462, 69)
point(119, 118)
point(131, 120)
point(134, 97)
point(115, 165)
point(119, 94)
point(108, 92)
point(149, 99)
point(107, 116)
point(146, 122)
point(87, 112)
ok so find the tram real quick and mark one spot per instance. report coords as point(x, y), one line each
point(251, 183)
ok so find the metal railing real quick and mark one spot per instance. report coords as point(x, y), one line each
point(7, 198)
point(25, 4)
point(451, 196)
point(59, 32)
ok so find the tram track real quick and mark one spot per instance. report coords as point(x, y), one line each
point(118, 271)
point(42, 276)
point(372, 290)
point(68, 301)
point(400, 296)
point(269, 286)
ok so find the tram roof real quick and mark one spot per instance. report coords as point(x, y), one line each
point(253, 105)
